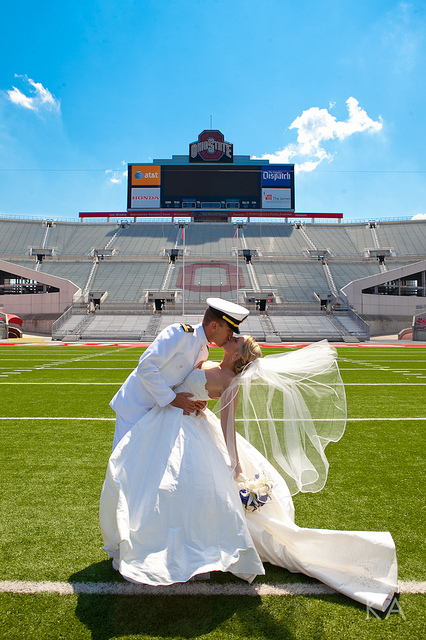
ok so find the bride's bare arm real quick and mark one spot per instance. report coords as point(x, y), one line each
point(227, 421)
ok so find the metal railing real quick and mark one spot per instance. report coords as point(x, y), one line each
point(62, 320)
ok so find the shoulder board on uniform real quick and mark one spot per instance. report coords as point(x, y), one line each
point(187, 328)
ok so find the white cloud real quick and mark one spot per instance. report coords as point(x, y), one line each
point(117, 176)
point(314, 127)
point(39, 98)
point(419, 216)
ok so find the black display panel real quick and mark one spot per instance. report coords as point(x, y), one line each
point(203, 183)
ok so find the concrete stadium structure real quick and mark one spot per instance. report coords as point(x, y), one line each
point(301, 281)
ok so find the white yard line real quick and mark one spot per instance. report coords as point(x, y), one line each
point(369, 419)
point(347, 384)
point(60, 368)
point(57, 363)
point(193, 588)
point(53, 418)
point(131, 367)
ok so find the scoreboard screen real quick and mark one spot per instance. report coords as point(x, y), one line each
point(211, 186)
point(207, 183)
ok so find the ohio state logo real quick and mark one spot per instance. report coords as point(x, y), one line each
point(211, 147)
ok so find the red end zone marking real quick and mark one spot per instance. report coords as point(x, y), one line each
point(281, 345)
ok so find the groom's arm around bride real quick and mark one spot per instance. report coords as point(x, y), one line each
point(169, 360)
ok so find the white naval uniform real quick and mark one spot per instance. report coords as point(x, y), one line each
point(164, 364)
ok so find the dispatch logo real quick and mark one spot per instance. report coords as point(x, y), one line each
point(278, 176)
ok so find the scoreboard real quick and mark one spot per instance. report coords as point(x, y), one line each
point(200, 185)
point(211, 178)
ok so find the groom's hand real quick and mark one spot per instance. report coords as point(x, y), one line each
point(183, 401)
point(200, 406)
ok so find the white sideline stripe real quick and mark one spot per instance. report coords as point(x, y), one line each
point(405, 419)
point(373, 367)
point(195, 588)
point(55, 418)
point(58, 367)
point(56, 364)
point(347, 384)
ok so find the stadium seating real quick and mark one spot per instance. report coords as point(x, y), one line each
point(410, 241)
point(127, 282)
point(18, 236)
point(146, 239)
point(292, 266)
point(293, 281)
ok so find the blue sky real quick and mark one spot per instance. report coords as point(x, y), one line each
point(336, 87)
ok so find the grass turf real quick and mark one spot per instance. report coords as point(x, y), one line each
point(52, 472)
point(53, 617)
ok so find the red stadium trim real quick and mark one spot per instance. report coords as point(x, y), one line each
point(227, 213)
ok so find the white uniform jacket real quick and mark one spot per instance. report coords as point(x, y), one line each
point(164, 364)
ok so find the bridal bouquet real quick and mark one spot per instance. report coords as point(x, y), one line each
point(254, 493)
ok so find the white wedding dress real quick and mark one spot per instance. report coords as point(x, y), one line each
point(170, 509)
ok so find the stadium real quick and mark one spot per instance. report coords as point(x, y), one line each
point(100, 288)
point(213, 224)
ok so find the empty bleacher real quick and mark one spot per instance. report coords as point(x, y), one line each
point(111, 327)
point(407, 241)
point(79, 240)
point(18, 236)
point(125, 261)
point(275, 240)
point(210, 240)
point(96, 326)
point(144, 239)
point(345, 273)
point(208, 278)
point(293, 281)
point(306, 328)
point(128, 281)
point(252, 325)
point(77, 272)
point(338, 240)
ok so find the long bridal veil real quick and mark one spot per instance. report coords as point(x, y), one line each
point(290, 406)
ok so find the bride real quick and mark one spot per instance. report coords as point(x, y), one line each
point(172, 501)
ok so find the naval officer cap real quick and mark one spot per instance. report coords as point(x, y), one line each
point(232, 313)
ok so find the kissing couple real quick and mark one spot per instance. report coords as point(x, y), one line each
point(186, 494)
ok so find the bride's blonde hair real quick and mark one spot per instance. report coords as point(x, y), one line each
point(249, 351)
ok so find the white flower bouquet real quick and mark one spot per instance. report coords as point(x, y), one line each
point(255, 492)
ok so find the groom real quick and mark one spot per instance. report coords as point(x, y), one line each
point(175, 352)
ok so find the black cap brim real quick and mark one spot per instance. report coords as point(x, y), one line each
point(231, 322)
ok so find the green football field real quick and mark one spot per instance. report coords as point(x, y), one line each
point(56, 435)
